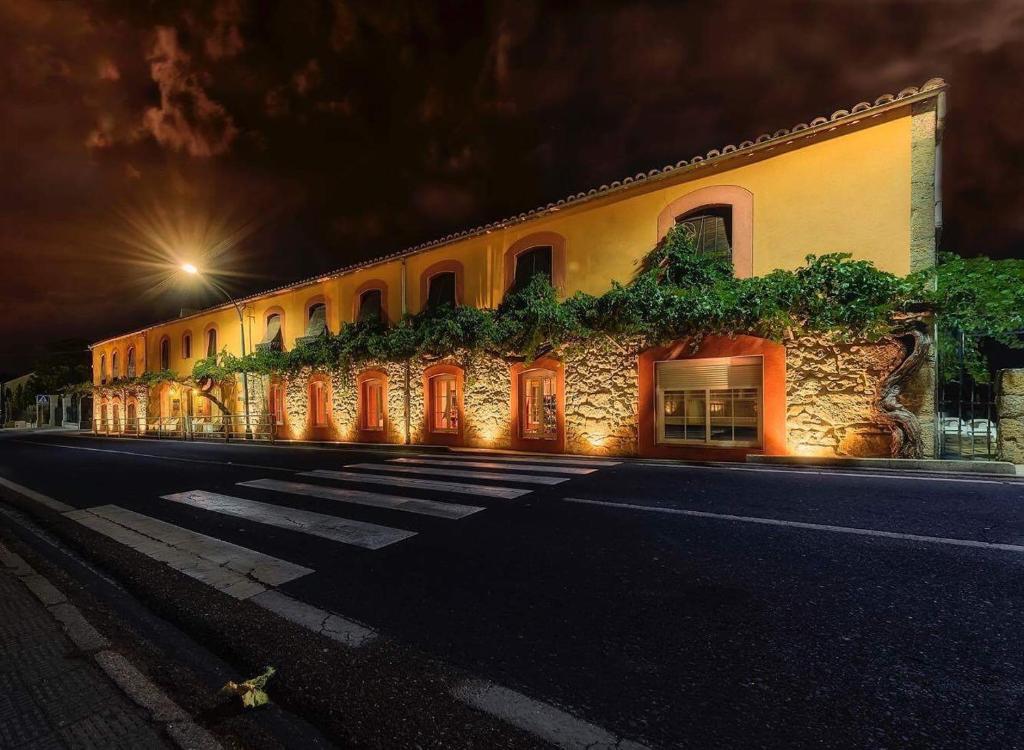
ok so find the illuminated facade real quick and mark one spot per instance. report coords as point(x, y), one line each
point(863, 181)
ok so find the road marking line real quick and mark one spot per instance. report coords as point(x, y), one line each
point(266, 569)
point(236, 571)
point(39, 497)
point(858, 474)
point(494, 465)
point(535, 458)
point(540, 719)
point(487, 475)
point(357, 533)
point(241, 578)
point(395, 502)
point(156, 456)
point(507, 493)
point(318, 620)
point(803, 525)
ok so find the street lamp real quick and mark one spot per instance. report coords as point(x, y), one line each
point(191, 270)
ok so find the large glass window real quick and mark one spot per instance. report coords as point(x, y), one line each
point(103, 368)
point(530, 263)
point(444, 404)
point(165, 354)
point(273, 339)
point(710, 229)
point(715, 402)
point(371, 308)
point(186, 346)
point(539, 397)
point(372, 392)
point(131, 361)
point(115, 366)
point(211, 343)
point(441, 290)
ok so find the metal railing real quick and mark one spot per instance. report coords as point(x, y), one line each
point(223, 427)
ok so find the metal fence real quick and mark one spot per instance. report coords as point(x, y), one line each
point(968, 420)
point(217, 428)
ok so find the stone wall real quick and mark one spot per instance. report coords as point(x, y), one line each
point(832, 393)
point(1010, 411)
point(832, 390)
point(601, 397)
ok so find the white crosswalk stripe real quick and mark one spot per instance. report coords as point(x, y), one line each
point(482, 490)
point(488, 475)
point(237, 571)
point(393, 502)
point(550, 468)
point(555, 460)
point(357, 533)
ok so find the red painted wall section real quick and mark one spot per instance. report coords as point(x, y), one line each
point(773, 422)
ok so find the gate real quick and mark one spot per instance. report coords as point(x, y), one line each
point(968, 422)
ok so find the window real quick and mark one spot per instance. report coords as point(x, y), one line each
point(372, 397)
point(186, 346)
point(371, 308)
point(116, 412)
point(715, 402)
point(318, 403)
point(539, 402)
point(273, 339)
point(710, 228)
point(277, 403)
point(165, 354)
point(131, 361)
point(530, 263)
point(318, 310)
point(441, 290)
point(444, 397)
point(115, 366)
point(103, 368)
point(130, 414)
point(211, 343)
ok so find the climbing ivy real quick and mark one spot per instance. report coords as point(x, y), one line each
point(676, 293)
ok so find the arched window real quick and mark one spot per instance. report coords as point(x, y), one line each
point(103, 369)
point(318, 403)
point(273, 339)
point(372, 394)
point(115, 366)
point(211, 343)
point(720, 219)
point(131, 361)
point(186, 345)
point(537, 261)
point(536, 254)
point(710, 230)
point(130, 415)
point(165, 353)
point(538, 402)
point(371, 306)
point(317, 310)
point(116, 416)
point(444, 404)
point(441, 291)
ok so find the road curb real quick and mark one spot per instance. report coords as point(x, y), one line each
point(947, 466)
point(185, 733)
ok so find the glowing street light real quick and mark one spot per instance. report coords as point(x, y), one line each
point(191, 270)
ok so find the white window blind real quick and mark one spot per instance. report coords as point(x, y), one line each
point(737, 372)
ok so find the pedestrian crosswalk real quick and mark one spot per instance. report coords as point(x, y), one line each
point(387, 491)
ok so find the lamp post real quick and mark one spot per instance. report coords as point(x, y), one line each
point(193, 271)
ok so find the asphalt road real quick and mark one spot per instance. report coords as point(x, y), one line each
point(781, 608)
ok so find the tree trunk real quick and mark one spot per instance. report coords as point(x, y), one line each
point(906, 435)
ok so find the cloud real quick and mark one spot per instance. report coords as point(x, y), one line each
point(224, 39)
point(187, 119)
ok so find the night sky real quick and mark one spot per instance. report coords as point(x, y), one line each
point(272, 141)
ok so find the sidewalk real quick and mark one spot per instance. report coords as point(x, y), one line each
point(55, 691)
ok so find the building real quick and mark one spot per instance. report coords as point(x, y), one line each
point(863, 181)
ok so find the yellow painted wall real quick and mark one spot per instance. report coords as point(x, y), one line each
point(849, 193)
